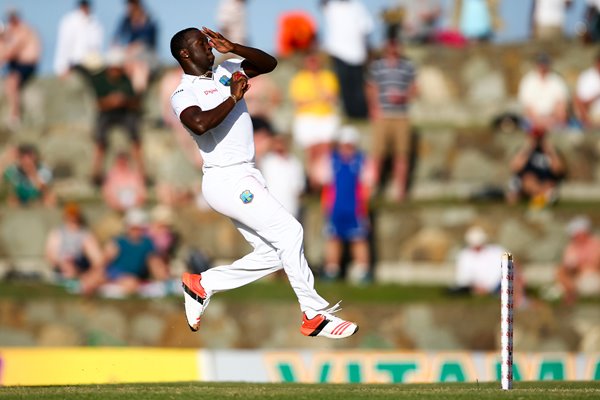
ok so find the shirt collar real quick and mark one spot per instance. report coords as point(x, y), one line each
point(194, 78)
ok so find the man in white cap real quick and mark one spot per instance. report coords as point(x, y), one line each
point(579, 271)
point(478, 265)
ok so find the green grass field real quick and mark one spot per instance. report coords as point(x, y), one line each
point(215, 391)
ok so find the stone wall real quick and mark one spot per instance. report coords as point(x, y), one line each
point(418, 326)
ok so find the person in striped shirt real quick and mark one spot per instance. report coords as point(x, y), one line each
point(391, 87)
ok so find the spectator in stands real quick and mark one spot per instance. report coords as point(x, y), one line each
point(263, 138)
point(118, 105)
point(478, 269)
point(391, 87)
point(28, 180)
point(80, 36)
point(420, 20)
point(137, 34)
point(537, 170)
point(478, 264)
point(314, 92)
point(579, 271)
point(20, 50)
point(231, 20)
point(74, 253)
point(348, 24)
point(297, 32)
point(548, 18)
point(345, 201)
point(162, 233)
point(544, 96)
point(284, 174)
point(591, 22)
point(124, 186)
point(132, 258)
point(476, 19)
point(587, 96)
point(264, 99)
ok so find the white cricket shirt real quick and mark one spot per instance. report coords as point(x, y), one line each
point(588, 89)
point(550, 12)
point(79, 36)
point(480, 268)
point(231, 142)
point(542, 94)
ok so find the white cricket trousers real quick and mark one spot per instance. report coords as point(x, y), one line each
point(276, 236)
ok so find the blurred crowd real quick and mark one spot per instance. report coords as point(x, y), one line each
point(349, 140)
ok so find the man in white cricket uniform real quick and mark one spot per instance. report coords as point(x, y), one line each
point(209, 103)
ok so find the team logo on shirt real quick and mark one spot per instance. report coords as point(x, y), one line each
point(246, 196)
point(225, 81)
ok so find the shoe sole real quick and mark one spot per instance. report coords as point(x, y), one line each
point(193, 296)
point(193, 328)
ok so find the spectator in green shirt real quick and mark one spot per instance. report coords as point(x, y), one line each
point(118, 105)
point(27, 179)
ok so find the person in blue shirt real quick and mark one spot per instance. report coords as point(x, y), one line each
point(345, 201)
point(132, 257)
point(137, 33)
point(137, 27)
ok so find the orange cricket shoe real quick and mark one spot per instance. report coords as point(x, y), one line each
point(195, 297)
point(327, 325)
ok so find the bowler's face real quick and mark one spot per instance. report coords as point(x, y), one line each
point(199, 51)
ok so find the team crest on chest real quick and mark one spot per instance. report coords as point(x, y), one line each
point(246, 196)
point(225, 81)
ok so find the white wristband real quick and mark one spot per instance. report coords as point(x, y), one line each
point(234, 99)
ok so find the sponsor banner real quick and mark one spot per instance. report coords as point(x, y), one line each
point(395, 367)
point(73, 366)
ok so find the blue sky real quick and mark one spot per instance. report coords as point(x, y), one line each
point(173, 15)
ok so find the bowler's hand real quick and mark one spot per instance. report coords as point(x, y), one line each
point(239, 85)
point(218, 41)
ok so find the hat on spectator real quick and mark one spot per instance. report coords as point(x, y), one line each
point(579, 224)
point(475, 236)
point(115, 57)
point(348, 135)
point(136, 217)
